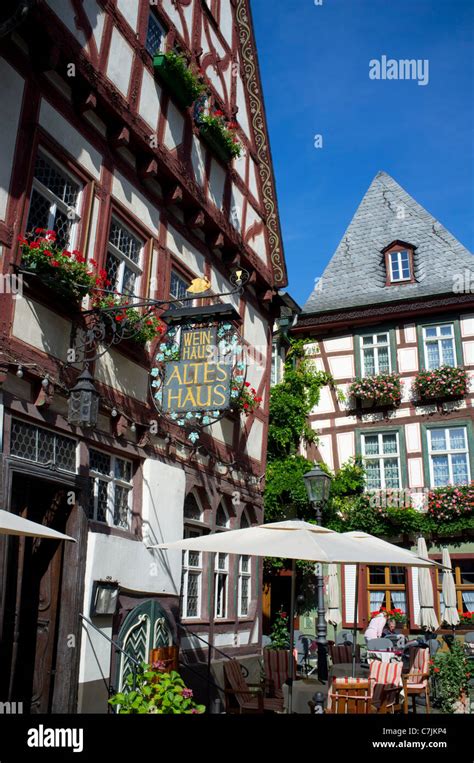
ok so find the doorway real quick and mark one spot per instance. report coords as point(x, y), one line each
point(33, 583)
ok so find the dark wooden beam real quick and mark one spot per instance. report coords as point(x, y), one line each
point(172, 194)
point(119, 137)
point(147, 167)
point(196, 219)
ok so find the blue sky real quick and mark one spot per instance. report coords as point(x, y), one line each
point(314, 62)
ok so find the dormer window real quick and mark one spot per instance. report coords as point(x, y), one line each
point(399, 263)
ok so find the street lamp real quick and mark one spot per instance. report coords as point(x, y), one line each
point(317, 484)
point(83, 402)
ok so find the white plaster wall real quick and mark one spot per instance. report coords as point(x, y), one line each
point(129, 8)
point(216, 184)
point(255, 440)
point(12, 95)
point(41, 328)
point(410, 333)
point(325, 404)
point(407, 382)
point(345, 446)
point(185, 251)
point(312, 348)
point(413, 438)
point(173, 136)
point(253, 184)
point(170, 7)
point(93, 227)
point(242, 115)
point(467, 325)
point(325, 448)
point(415, 472)
point(226, 21)
point(222, 430)
point(468, 353)
point(407, 359)
point(198, 158)
point(243, 637)
point(96, 17)
point(65, 134)
point(65, 11)
point(342, 367)
point(220, 285)
point(257, 240)
point(236, 208)
point(256, 329)
point(119, 65)
point(339, 344)
point(150, 96)
point(134, 201)
point(123, 374)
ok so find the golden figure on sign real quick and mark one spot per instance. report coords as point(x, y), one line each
point(199, 285)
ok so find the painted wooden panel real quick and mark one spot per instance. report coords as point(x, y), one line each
point(467, 325)
point(342, 367)
point(415, 472)
point(407, 359)
point(468, 353)
point(39, 327)
point(412, 438)
point(68, 137)
point(119, 66)
point(339, 344)
point(410, 333)
point(345, 446)
point(415, 596)
point(12, 95)
point(349, 592)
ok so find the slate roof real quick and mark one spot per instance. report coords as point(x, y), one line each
point(356, 275)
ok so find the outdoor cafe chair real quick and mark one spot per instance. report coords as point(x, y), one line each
point(276, 670)
point(243, 698)
point(416, 681)
point(341, 653)
point(344, 637)
point(384, 687)
point(349, 696)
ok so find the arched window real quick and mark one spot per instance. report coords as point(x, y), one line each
point(222, 516)
point(192, 510)
point(221, 573)
point(192, 570)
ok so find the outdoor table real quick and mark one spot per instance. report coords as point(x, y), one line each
point(384, 655)
point(343, 669)
point(303, 691)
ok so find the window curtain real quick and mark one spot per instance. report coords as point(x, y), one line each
point(376, 600)
point(432, 352)
point(399, 600)
point(440, 470)
point(468, 599)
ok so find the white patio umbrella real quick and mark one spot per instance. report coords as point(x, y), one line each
point(333, 613)
point(294, 539)
point(12, 524)
point(451, 614)
point(428, 619)
point(390, 555)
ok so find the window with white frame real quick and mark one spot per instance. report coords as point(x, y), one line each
point(375, 354)
point(382, 460)
point(110, 489)
point(155, 35)
point(244, 585)
point(449, 456)
point(124, 258)
point(221, 590)
point(178, 286)
point(439, 345)
point(399, 266)
point(191, 581)
point(54, 201)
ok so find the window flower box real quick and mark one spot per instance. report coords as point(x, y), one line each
point(392, 614)
point(66, 273)
point(452, 502)
point(184, 85)
point(466, 619)
point(130, 322)
point(220, 136)
point(244, 397)
point(383, 389)
point(441, 383)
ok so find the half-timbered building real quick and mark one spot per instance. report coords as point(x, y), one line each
point(97, 148)
point(396, 299)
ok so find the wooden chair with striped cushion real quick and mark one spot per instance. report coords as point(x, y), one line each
point(349, 696)
point(276, 670)
point(416, 681)
point(385, 686)
point(342, 653)
point(241, 697)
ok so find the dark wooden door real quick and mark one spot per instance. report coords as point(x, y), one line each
point(34, 573)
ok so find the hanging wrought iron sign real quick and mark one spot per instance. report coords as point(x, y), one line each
point(199, 373)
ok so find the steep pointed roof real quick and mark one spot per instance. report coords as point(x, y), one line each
point(356, 275)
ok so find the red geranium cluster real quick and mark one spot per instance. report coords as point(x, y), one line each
point(223, 131)
point(136, 326)
point(248, 400)
point(392, 614)
point(466, 618)
point(65, 271)
point(383, 388)
point(451, 501)
point(446, 381)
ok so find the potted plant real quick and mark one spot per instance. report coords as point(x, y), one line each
point(393, 614)
point(441, 383)
point(280, 633)
point(466, 619)
point(133, 325)
point(382, 389)
point(67, 273)
point(153, 691)
point(451, 671)
point(245, 397)
point(453, 502)
point(184, 84)
point(220, 135)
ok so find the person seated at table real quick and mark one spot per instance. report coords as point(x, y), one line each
point(390, 628)
point(376, 626)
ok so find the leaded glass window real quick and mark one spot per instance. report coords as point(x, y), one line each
point(123, 262)
point(155, 35)
point(381, 460)
point(244, 585)
point(54, 200)
point(191, 508)
point(42, 446)
point(191, 579)
point(449, 456)
point(178, 286)
point(221, 582)
point(439, 346)
point(375, 351)
point(110, 488)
